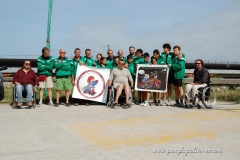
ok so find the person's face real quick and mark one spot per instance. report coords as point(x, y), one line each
point(198, 64)
point(99, 57)
point(155, 55)
point(88, 53)
point(110, 54)
point(165, 50)
point(120, 54)
point(146, 59)
point(104, 62)
point(77, 53)
point(27, 64)
point(154, 61)
point(116, 60)
point(176, 51)
point(131, 50)
point(139, 54)
point(121, 65)
point(62, 53)
point(46, 53)
point(129, 60)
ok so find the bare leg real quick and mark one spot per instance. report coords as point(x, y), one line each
point(180, 91)
point(119, 91)
point(50, 94)
point(159, 96)
point(57, 96)
point(41, 94)
point(176, 92)
point(147, 96)
point(126, 88)
point(67, 93)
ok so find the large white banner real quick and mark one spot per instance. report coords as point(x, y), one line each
point(91, 84)
point(153, 78)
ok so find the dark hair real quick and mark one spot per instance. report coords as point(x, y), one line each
point(116, 57)
point(140, 50)
point(131, 47)
point(87, 50)
point(178, 47)
point(167, 45)
point(76, 49)
point(146, 54)
point(44, 49)
point(156, 51)
point(102, 58)
point(153, 59)
point(200, 61)
point(129, 56)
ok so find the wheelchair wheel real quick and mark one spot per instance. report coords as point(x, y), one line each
point(34, 104)
point(209, 97)
point(111, 100)
point(14, 105)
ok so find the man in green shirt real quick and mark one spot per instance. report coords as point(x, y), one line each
point(45, 67)
point(121, 57)
point(63, 76)
point(178, 68)
point(87, 59)
point(74, 66)
point(132, 52)
point(110, 59)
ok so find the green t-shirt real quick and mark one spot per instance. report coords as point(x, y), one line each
point(88, 61)
point(132, 69)
point(63, 68)
point(110, 62)
point(138, 60)
point(101, 66)
point(74, 65)
point(144, 62)
point(97, 63)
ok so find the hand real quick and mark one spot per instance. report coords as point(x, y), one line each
point(17, 83)
point(35, 89)
point(169, 65)
point(179, 56)
point(73, 83)
point(132, 90)
point(81, 63)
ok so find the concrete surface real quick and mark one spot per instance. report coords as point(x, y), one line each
point(97, 132)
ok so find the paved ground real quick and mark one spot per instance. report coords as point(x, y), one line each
point(97, 132)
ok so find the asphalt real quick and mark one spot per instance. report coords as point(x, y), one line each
point(97, 132)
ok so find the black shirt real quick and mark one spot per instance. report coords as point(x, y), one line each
point(201, 76)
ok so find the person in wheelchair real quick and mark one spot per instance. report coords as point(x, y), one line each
point(25, 79)
point(119, 78)
point(201, 79)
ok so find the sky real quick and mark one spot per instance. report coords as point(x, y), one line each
point(206, 29)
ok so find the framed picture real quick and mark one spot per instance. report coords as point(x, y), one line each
point(151, 78)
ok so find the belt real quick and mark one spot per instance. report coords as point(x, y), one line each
point(63, 77)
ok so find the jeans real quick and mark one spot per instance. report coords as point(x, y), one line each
point(20, 88)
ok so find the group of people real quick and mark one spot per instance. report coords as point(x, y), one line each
point(123, 73)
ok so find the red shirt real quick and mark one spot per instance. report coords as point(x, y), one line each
point(26, 78)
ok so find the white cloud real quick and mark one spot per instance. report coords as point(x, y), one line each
point(211, 36)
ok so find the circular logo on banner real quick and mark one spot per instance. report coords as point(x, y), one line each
point(91, 84)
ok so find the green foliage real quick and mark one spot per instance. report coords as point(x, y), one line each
point(233, 87)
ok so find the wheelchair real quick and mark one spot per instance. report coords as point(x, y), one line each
point(24, 95)
point(206, 95)
point(121, 100)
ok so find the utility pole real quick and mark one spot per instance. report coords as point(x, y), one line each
point(49, 23)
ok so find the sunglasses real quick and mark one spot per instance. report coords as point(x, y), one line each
point(197, 63)
point(62, 52)
point(28, 64)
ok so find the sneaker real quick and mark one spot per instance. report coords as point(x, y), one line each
point(141, 104)
point(160, 103)
point(29, 104)
point(155, 103)
point(50, 103)
point(175, 104)
point(181, 105)
point(19, 104)
point(168, 103)
point(164, 103)
point(145, 104)
point(67, 104)
point(39, 104)
point(76, 104)
point(56, 104)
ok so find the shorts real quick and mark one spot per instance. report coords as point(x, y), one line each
point(63, 84)
point(177, 82)
point(48, 83)
point(170, 77)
